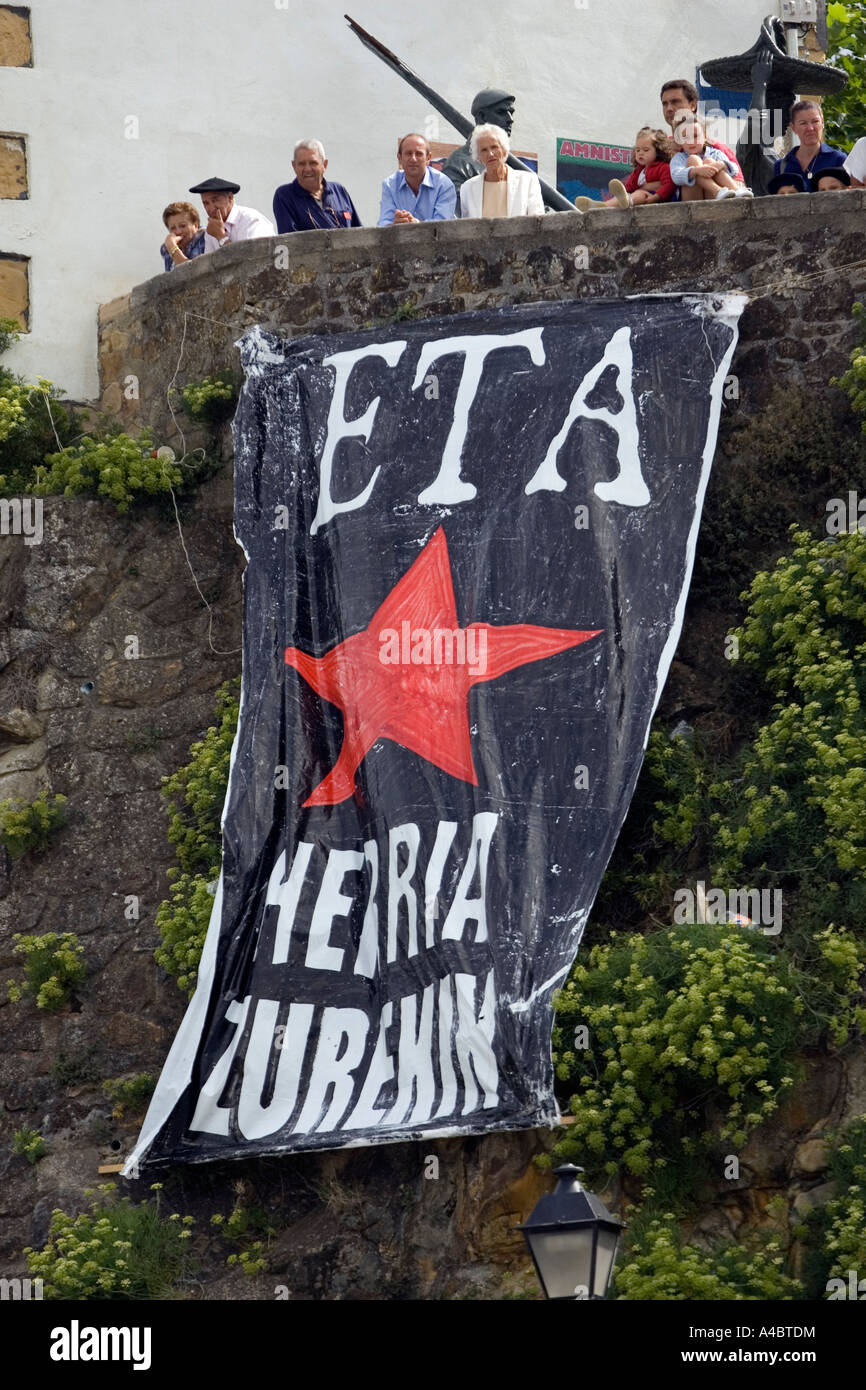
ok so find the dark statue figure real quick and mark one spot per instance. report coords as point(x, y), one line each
point(489, 107)
point(774, 79)
point(494, 108)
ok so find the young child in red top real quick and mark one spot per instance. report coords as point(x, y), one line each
point(649, 181)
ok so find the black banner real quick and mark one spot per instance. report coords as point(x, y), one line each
point(469, 544)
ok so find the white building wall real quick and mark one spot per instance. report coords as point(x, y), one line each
point(226, 87)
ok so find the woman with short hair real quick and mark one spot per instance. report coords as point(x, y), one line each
point(811, 155)
point(499, 191)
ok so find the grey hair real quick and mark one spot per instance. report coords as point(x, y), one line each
point(309, 145)
point(497, 133)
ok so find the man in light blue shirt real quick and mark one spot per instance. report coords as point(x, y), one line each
point(416, 193)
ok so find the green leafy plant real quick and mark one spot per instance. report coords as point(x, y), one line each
point(30, 1143)
point(27, 826)
point(212, 400)
point(53, 966)
point(116, 1250)
point(33, 421)
point(830, 989)
point(182, 921)
point(844, 1218)
point(130, 1095)
point(119, 468)
point(195, 795)
point(238, 1227)
point(661, 1265)
point(845, 113)
point(10, 332)
point(674, 1019)
point(15, 398)
point(834, 1235)
point(853, 381)
point(804, 638)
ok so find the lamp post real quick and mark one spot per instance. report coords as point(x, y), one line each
point(572, 1238)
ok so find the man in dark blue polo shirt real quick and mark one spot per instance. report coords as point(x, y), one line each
point(811, 155)
point(311, 201)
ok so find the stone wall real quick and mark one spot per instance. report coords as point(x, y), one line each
point(800, 258)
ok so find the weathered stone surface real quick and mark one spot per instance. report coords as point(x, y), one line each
point(814, 1197)
point(774, 248)
point(768, 1150)
point(811, 1157)
point(20, 725)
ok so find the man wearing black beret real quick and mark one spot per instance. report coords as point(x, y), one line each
point(227, 220)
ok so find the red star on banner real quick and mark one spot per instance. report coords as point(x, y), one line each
point(388, 682)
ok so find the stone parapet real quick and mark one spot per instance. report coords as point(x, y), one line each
point(799, 259)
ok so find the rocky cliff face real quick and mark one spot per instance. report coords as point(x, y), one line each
point(82, 716)
point(79, 717)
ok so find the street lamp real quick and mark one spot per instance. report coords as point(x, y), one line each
point(572, 1238)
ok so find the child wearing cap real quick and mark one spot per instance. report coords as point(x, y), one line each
point(831, 180)
point(185, 238)
point(787, 183)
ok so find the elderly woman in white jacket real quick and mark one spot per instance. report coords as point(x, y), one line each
point(499, 191)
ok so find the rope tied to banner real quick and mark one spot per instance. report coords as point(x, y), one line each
point(181, 463)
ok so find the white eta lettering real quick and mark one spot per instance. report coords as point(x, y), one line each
point(400, 887)
point(209, 1116)
point(448, 487)
point(465, 909)
point(475, 1042)
point(445, 833)
point(446, 1061)
point(330, 904)
point(255, 1120)
point(381, 1071)
point(415, 1061)
point(285, 895)
point(340, 428)
point(367, 959)
point(628, 487)
point(333, 1066)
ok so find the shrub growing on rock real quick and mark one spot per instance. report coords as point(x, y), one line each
point(660, 1265)
point(53, 966)
point(195, 795)
point(27, 826)
point(115, 1250)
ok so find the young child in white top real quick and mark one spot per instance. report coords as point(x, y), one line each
point(700, 168)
